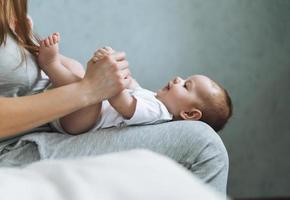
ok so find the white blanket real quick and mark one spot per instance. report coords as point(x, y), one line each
point(130, 175)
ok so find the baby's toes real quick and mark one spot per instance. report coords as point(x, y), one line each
point(55, 39)
point(51, 42)
point(46, 42)
point(56, 34)
point(42, 44)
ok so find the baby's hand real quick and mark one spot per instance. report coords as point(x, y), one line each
point(102, 52)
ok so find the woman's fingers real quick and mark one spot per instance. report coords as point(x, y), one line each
point(102, 51)
point(109, 50)
point(125, 73)
point(127, 81)
point(109, 75)
point(119, 56)
point(123, 64)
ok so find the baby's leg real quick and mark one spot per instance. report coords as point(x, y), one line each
point(50, 61)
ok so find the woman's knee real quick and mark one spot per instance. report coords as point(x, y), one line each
point(207, 157)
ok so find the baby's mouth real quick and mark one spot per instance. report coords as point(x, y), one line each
point(166, 87)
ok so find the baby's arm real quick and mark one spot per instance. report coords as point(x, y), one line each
point(123, 103)
point(133, 85)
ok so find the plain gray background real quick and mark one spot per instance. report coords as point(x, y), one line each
point(244, 45)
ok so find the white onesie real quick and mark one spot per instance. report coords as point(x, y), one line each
point(149, 110)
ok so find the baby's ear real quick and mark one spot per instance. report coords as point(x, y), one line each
point(194, 114)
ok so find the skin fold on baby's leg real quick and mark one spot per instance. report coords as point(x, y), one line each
point(50, 62)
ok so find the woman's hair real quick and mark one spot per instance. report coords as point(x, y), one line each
point(15, 11)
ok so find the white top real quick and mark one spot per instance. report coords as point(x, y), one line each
point(149, 110)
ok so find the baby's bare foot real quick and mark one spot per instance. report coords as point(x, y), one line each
point(49, 52)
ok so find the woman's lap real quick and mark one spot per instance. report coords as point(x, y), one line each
point(192, 144)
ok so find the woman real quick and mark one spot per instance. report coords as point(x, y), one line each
point(15, 28)
point(26, 108)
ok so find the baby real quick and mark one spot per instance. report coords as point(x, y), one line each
point(195, 98)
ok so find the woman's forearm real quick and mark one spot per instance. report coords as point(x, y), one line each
point(81, 120)
point(101, 81)
point(20, 114)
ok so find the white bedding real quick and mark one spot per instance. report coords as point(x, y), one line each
point(130, 175)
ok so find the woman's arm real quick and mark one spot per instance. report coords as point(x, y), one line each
point(103, 79)
point(24, 113)
point(84, 119)
point(124, 103)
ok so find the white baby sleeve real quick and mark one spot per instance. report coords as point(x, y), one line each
point(149, 110)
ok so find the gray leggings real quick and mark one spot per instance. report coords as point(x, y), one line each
point(192, 144)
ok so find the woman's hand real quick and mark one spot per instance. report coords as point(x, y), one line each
point(107, 76)
point(100, 53)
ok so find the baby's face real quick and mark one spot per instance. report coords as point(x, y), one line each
point(181, 95)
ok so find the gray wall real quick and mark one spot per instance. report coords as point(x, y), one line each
point(244, 45)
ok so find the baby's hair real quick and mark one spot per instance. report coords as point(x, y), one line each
point(216, 110)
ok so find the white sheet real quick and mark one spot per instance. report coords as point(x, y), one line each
point(130, 175)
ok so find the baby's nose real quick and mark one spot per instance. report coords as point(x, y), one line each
point(176, 80)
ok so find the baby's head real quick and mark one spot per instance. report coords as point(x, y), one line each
point(197, 98)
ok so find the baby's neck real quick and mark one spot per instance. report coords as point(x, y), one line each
point(174, 117)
